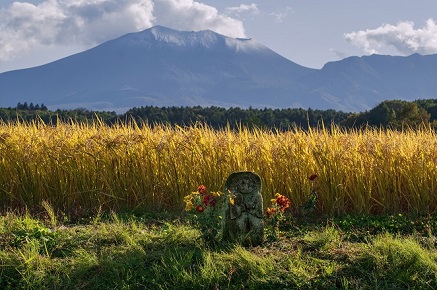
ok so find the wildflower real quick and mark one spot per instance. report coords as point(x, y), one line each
point(209, 200)
point(189, 206)
point(312, 177)
point(205, 207)
point(200, 208)
point(231, 201)
point(189, 201)
point(275, 215)
point(201, 189)
point(270, 211)
point(282, 201)
point(189, 197)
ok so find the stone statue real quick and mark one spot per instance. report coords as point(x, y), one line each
point(243, 218)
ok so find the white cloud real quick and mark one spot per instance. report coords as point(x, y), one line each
point(251, 8)
point(403, 38)
point(25, 26)
point(282, 14)
point(192, 15)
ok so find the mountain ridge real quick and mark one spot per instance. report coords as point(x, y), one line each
point(164, 67)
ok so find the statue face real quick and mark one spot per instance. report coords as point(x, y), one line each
point(245, 185)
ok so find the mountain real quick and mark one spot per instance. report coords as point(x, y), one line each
point(360, 83)
point(161, 67)
point(164, 67)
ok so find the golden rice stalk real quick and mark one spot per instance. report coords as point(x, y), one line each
point(80, 168)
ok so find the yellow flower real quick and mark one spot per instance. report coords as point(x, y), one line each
point(216, 193)
point(277, 195)
point(189, 206)
point(231, 201)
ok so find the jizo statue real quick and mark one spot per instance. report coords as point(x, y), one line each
point(243, 219)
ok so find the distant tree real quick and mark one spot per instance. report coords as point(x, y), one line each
point(430, 105)
point(394, 114)
point(411, 115)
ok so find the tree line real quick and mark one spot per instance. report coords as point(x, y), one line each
point(217, 117)
point(394, 114)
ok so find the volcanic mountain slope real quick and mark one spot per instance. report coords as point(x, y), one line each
point(162, 67)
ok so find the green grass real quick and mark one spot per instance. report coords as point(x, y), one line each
point(164, 252)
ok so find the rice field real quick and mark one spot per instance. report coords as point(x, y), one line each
point(79, 169)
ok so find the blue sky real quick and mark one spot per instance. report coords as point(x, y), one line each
point(307, 32)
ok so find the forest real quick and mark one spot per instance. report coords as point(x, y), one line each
point(394, 114)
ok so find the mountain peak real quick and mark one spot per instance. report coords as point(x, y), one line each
point(160, 36)
point(205, 38)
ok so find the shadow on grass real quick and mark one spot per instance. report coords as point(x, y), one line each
point(151, 253)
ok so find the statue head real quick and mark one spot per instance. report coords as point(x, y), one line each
point(244, 182)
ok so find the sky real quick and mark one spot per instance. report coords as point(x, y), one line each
point(308, 32)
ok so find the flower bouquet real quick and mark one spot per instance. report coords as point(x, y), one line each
point(275, 214)
point(206, 209)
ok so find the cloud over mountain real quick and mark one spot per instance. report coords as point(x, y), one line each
point(252, 8)
point(403, 38)
point(192, 15)
point(25, 26)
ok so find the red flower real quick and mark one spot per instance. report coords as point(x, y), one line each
point(200, 208)
point(209, 200)
point(283, 202)
point(312, 177)
point(201, 189)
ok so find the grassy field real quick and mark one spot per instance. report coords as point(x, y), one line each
point(151, 252)
point(82, 207)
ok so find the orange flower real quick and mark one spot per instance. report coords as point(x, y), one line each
point(270, 211)
point(200, 208)
point(283, 202)
point(201, 189)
